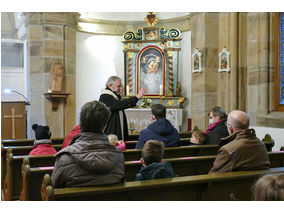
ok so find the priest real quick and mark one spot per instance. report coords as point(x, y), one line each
point(110, 96)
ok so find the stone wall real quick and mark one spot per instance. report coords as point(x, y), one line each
point(249, 85)
point(51, 37)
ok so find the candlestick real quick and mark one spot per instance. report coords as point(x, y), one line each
point(127, 90)
point(161, 89)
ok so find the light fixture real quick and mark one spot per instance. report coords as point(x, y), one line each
point(9, 91)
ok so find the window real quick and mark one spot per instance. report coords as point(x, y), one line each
point(12, 54)
point(279, 62)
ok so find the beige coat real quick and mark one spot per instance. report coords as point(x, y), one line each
point(243, 151)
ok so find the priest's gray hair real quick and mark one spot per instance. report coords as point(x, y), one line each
point(111, 80)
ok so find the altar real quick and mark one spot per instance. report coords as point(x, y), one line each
point(139, 119)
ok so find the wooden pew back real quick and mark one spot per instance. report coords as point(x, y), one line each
point(13, 177)
point(182, 167)
point(226, 186)
point(171, 152)
point(28, 142)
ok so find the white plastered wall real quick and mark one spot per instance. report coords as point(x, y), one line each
point(100, 56)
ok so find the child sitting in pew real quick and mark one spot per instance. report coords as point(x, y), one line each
point(153, 166)
point(42, 144)
point(269, 188)
point(197, 138)
point(114, 141)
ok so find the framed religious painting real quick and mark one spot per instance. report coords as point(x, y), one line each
point(196, 61)
point(224, 61)
point(151, 70)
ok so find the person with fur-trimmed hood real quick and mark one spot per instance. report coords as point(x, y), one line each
point(91, 160)
point(42, 144)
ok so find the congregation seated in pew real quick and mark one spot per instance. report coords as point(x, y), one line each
point(161, 129)
point(74, 132)
point(197, 138)
point(241, 150)
point(217, 128)
point(92, 160)
point(112, 138)
point(42, 144)
point(153, 167)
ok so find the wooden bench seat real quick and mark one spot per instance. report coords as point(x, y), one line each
point(28, 142)
point(185, 166)
point(209, 187)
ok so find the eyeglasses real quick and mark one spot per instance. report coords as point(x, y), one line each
point(227, 124)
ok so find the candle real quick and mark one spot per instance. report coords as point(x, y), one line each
point(161, 89)
point(127, 90)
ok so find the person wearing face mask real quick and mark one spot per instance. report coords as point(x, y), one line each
point(110, 96)
point(217, 128)
point(242, 150)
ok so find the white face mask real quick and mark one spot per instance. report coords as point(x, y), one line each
point(210, 121)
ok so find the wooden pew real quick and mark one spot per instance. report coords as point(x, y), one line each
point(13, 177)
point(28, 142)
point(32, 179)
point(184, 141)
point(3, 171)
point(209, 187)
point(25, 150)
point(132, 144)
point(171, 152)
point(134, 137)
point(182, 167)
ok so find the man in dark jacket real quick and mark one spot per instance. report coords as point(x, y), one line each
point(217, 128)
point(161, 129)
point(110, 96)
point(92, 160)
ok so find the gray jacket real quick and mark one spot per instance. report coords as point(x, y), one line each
point(90, 161)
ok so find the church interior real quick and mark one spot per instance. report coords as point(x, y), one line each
point(203, 59)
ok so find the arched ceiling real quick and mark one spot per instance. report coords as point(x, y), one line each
point(129, 16)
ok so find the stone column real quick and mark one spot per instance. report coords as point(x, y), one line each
point(228, 81)
point(51, 37)
point(258, 64)
point(205, 33)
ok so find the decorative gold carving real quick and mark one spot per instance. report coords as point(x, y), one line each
point(180, 100)
point(178, 89)
point(171, 102)
point(151, 19)
point(130, 55)
point(171, 78)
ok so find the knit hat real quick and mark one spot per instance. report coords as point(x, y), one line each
point(41, 132)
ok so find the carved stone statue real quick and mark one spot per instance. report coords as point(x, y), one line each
point(56, 77)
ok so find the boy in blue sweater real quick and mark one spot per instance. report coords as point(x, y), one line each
point(153, 166)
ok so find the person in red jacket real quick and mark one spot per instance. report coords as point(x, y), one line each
point(42, 144)
point(74, 132)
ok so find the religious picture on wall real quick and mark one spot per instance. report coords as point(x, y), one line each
point(224, 61)
point(151, 70)
point(151, 34)
point(196, 61)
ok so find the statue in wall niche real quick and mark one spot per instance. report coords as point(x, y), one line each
point(56, 77)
